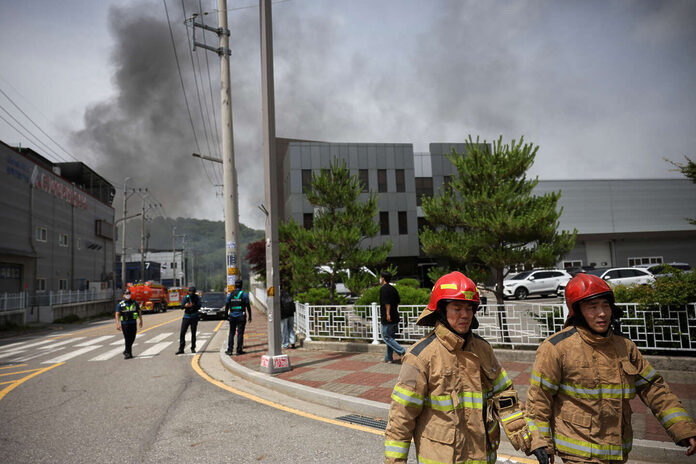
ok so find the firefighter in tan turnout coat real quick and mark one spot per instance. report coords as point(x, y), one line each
point(452, 396)
point(584, 377)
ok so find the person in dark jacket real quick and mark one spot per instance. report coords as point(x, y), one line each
point(389, 314)
point(237, 302)
point(287, 320)
point(128, 313)
point(191, 304)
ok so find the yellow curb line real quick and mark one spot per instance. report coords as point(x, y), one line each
point(13, 366)
point(18, 372)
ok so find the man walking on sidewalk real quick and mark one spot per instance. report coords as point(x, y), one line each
point(237, 302)
point(389, 314)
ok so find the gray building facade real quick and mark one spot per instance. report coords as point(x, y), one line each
point(56, 225)
point(619, 222)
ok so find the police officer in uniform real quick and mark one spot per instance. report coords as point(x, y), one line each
point(237, 302)
point(191, 304)
point(127, 314)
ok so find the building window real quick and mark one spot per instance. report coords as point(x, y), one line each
point(571, 264)
point(364, 179)
point(63, 284)
point(384, 223)
point(403, 225)
point(424, 186)
point(645, 260)
point(381, 180)
point(40, 284)
point(63, 240)
point(41, 234)
point(400, 180)
point(308, 220)
point(306, 180)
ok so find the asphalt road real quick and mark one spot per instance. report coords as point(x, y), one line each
point(56, 406)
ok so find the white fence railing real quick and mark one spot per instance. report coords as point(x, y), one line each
point(518, 324)
point(13, 301)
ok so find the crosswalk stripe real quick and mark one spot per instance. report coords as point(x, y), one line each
point(159, 337)
point(11, 353)
point(43, 342)
point(72, 354)
point(34, 354)
point(57, 344)
point(110, 354)
point(156, 349)
point(94, 341)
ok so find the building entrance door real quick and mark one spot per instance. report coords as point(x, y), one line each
point(599, 253)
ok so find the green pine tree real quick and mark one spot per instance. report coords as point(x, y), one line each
point(341, 224)
point(487, 216)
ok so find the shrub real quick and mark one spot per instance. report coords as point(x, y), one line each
point(407, 294)
point(413, 283)
point(677, 289)
point(319, 296)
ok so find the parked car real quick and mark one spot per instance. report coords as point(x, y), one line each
point(621, 276)
point(663, 270)
point(542, 282)
point(213, 305)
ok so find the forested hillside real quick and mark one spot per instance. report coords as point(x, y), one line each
point(204, 242)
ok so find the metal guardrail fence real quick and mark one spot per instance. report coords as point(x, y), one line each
point(519, 324)
point(14, 301)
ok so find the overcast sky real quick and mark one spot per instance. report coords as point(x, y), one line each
point(607, 89)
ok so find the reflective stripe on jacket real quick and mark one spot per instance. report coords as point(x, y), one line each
point(578, 400)
point(440, 401)
point(128, 311)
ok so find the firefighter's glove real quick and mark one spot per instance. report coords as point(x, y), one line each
point(513, 422)
point(541, 455)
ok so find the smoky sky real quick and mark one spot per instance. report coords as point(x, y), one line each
point(606, 89)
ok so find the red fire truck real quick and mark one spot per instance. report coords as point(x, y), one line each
point(176, 296)
point(150, 296)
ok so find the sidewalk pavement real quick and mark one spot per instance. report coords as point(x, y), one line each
point(328, 373)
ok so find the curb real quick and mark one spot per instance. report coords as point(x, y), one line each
point(364, 407)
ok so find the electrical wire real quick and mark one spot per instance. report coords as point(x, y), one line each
point(31, 136)
point(183, 87)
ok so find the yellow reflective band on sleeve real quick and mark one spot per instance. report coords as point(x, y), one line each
point(588, 450)
point(671, 416)
point(448, 286)
point(406, 397)
point(543, 382)
point(502, 382)
point(646, 376)
point(471, 400)
point(396, 449)
point(602, 391)
point(542, 427)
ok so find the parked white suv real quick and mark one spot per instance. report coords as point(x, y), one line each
point(621, 276)
point(541, 282)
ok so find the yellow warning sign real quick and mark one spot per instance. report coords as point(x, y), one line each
point(270, 291)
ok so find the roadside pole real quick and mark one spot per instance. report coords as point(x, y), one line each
point(274, 361)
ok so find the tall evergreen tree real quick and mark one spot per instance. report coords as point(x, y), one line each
point(341, 224)
point(487, 216)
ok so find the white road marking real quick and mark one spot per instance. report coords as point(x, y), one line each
point(159, 337)
point(154, 350)
point(111, 353)
point(72, 354)
point(43, 342)
point(57, 344)
point(94, 341)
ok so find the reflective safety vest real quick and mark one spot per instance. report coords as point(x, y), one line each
point(234, 303)
point(128, 310)
point(578, 400)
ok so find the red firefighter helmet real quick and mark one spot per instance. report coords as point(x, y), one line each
point(584, 287)
point(452, 286)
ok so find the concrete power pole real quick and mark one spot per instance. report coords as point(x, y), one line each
point(229, 175)
point(123, 240)
point(142, 244)
point(274, 361)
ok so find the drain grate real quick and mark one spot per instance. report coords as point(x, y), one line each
point(362, 420)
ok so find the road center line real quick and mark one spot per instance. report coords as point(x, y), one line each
point(16, 383)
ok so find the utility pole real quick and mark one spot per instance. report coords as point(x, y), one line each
point(173, 257)
point(142, 244)
point(125, 218)
point(274, 361)
point(232, 263)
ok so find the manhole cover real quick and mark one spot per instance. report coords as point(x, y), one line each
point(362, 420)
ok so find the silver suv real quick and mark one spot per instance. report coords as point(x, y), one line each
point(542, 282)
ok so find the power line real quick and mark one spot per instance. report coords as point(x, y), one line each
point(37, 126)
point(30, 135)
point(183, 87)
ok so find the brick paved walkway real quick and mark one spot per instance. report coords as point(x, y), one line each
point(364, 375)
